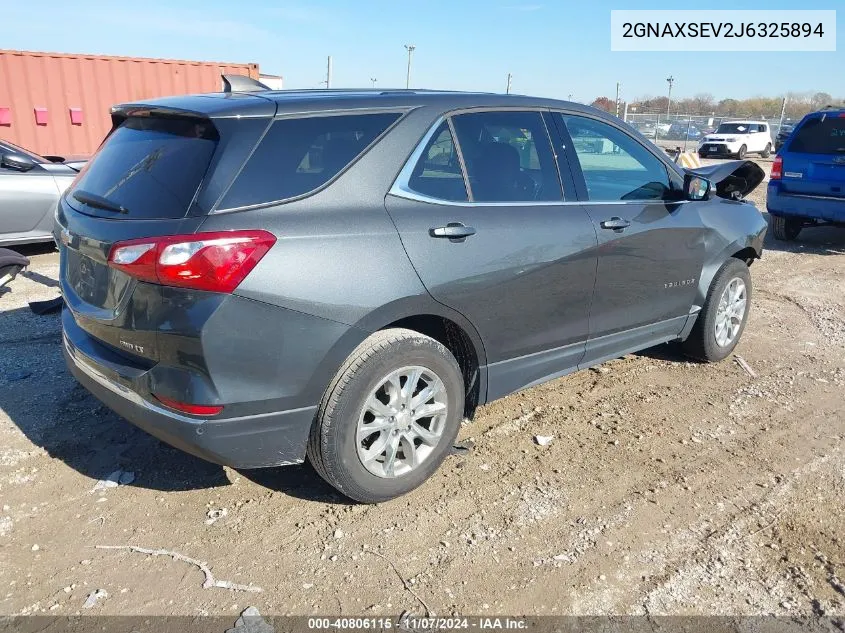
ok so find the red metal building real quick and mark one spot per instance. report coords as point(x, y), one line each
point(58, 104)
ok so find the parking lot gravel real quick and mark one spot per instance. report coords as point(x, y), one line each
point(667, 487)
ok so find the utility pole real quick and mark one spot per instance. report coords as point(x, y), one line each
point(329, 72)
point(410, 48)
point(617, 98)
point(508, 89)
point(670, 80)
point(374, 80)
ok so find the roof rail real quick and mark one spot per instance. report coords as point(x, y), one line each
point(242, 83)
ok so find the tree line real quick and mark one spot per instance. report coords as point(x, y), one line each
point(797, 105)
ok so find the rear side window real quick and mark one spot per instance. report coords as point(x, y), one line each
point(508, 156)
point(149, 166)
point(297, 156)
point(438, 172)
point(820, 135)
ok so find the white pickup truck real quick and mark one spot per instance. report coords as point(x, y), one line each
point(737, 138)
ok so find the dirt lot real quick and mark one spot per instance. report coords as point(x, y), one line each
point(670, 487)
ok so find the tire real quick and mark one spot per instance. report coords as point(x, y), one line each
point(334, 447)
point(702, 342)
point(786, 229)
point(742, 152)
point(766, 152)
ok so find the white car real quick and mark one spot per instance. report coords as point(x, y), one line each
point(738, 138)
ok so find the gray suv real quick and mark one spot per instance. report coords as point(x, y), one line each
point(345, 275)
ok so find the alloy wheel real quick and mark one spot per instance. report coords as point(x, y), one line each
point(402, 421)
point(731, 312)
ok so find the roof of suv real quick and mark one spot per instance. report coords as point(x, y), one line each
point(266, 103)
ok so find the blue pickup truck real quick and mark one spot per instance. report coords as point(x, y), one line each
point(807, 185)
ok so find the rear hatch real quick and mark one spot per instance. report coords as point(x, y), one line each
point(145, 181)
point(814, 158)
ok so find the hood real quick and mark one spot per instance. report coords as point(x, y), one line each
point(732, 180)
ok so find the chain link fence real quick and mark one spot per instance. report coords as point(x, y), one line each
point(686, 130)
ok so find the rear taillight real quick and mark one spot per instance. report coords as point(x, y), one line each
point(777, 169)
point(192, 409)
point(216, 262)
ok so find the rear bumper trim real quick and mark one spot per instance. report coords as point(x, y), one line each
point(86, 366)
point(257, 441)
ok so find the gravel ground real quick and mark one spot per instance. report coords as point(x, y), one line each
point(670, 487)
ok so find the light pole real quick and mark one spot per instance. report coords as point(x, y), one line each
point(374, 80)
point(670, 80)
point(618, 85)
point(508, 89)
point(410, 48)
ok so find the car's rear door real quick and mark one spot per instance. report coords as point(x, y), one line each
point(485, 224)
point(814, 158)
point(651, 244)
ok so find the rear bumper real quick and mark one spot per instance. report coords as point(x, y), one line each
point(807, 207)
point(256, 441)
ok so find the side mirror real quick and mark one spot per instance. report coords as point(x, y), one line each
point(17, 162)
point(696, 187)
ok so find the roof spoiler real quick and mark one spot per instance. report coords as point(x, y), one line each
point(242, 83)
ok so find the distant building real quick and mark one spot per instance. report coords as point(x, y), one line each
point(274, 82)
point(59, 104)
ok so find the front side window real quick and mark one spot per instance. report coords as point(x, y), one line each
point(508, 157)
point(438, 172)
point(298, 155)
point(615, 166)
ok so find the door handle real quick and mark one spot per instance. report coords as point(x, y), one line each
point(615, 223)
point(455, 231)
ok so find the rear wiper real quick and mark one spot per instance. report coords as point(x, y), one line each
point(93, 200)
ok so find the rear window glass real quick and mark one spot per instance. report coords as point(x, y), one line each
point(149, 166)
point(297, 156)
point(820, 135)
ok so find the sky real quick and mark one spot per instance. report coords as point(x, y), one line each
point(553, 48)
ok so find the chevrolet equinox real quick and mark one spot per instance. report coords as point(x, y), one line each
point(255, 277)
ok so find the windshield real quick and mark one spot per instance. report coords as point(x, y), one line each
point(149, 167)
point(820, 135)
point(734, 128)
point(10, 148)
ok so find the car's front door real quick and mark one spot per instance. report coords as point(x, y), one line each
point(25, 198)
point(651, 243)
point(485, 224)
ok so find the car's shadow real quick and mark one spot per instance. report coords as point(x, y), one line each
point(42, 399)
point(817, 240)
point(670, 352)
point(31, 250)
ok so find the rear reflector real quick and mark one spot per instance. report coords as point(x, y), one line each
point(217, 262)
point(192, 409)
point(777, 169)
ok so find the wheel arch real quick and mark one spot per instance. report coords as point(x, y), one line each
point(446, 326)
point(746, 249)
